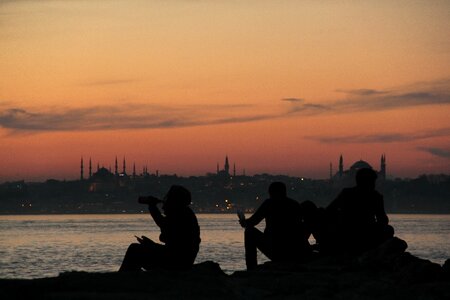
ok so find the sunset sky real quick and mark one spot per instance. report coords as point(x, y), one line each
point(280, 86)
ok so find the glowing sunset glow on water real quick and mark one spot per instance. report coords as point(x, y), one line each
point(279, 86)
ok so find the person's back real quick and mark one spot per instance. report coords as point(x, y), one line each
point(181, 235)
point(283, 238)
point(357, 219)
point(359, 207)
point(283, 225)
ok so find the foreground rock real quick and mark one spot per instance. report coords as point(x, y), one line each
point(384, 273)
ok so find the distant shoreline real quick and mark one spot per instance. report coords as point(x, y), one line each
point(197, 213)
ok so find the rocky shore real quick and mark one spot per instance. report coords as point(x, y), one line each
point(388, 272)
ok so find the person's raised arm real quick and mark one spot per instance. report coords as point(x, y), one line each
point(160, 220)
point(257, 217)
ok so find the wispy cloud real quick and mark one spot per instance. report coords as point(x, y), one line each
point(295, 100)
point(371, 100)
point(382, 137)
point(127, 116)
point(136, 116)
point(363, 92)
point(440, 152)
point(392, 101)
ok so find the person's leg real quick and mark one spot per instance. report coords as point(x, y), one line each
point(381, 233)
point(149, 255)
point(253, 240)
point(133, 258)
point(155, 256)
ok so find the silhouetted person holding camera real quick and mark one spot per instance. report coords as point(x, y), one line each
point(356, 219)
point(283, 238)
point(180, 234)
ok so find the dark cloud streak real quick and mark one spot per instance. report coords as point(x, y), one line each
point(381, 138)
point(145, 116)
point(439, 152)
point(294, 100)
point(128, 116)
point(363, 92)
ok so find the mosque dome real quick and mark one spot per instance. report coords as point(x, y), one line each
point(103, 173)
point(360, 164)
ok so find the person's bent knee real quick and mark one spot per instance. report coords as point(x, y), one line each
point(134, 247)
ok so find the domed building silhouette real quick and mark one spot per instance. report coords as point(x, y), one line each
point(348, 176)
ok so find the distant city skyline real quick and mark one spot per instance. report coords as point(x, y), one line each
point(87, 166)
point(282, 87)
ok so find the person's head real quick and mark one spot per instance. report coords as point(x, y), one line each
point(365, 178)
point(177, 197)
point(277, 190)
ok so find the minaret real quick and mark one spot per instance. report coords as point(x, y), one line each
point(90, 167)
point(98, 167)
point(134, 170)
point(81, 169)
point(227, 166)
point(217, 168)
point(341, 166)
point(234, 170)
point(116, 168)
point(124, 166)
point(383, 166)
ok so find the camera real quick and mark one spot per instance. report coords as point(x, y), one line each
point(150, 200)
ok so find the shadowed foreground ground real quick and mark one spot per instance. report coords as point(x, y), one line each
point(385, 273)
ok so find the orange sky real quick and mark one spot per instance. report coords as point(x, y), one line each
point(279, 86)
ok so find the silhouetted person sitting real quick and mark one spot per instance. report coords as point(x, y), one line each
point(283, 238)
point(180, 234)
point(357, 219)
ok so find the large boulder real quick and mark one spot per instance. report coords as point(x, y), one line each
point(201, 282)
point(383, 256)
point(410, 269)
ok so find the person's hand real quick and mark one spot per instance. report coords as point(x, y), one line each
point(144, 240)
point(243, 222)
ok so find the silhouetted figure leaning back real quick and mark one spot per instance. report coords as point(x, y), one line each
point(180, 234)
point(283, 238)
point(357, 219)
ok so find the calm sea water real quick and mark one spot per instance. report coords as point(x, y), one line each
point(45, 245)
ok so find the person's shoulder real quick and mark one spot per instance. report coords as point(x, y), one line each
point(190, 211)
point(185, 211)
point(188, 215)
point(293, 202)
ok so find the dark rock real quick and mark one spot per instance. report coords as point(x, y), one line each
point(446, 267)
point(324, 278)
point(201, 282)
point(411, 269)
point(385, 255)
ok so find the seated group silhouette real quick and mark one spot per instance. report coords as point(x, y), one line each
point(353, 223)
